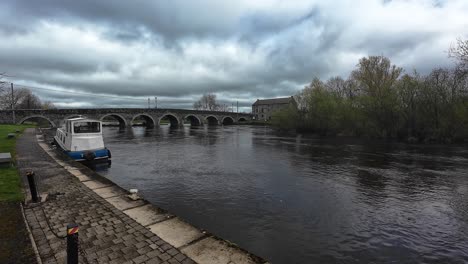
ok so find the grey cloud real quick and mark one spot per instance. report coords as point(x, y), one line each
point(178, 50)
point(393, 45)
point(170, 18)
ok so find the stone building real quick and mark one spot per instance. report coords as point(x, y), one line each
point(263, 109)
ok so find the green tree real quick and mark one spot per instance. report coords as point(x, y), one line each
point(286, 118)
point(409, 91)
point(378, 101)
point(376, 78)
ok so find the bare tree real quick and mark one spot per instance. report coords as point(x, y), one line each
point(2, 83)
point(22, 98)
point(29, 101)
point(207, 102)
point(460, 52)
point(9, 100)
point(48, 105)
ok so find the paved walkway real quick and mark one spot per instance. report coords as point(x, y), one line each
point(107, 235)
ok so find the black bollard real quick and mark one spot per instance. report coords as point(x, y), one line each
point(32, 186)
point(72, 244)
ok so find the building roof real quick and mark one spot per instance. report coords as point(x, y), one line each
point(283, 100)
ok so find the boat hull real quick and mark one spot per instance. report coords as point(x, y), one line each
point(85, 155)
point(89, 155)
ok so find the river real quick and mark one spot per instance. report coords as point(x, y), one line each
point(297, 199)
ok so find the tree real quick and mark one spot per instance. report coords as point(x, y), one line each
point(2, 83)
point(207, 102)
point(376, 77)
point(460, 52)
point(286, 118)
point(29, 101)
point(46, 105)
point(9, 100)
point(376, 101)
point(22, 98)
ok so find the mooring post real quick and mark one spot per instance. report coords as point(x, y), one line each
point(72, 244)
point(32, 186)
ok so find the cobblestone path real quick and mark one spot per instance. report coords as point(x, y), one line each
point(107, 235)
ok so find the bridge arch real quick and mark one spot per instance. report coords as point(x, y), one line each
point(242, 119)
point(121, 119)
point(149, 121)
point(173, 120)
point(37, 116)
point(194, 120)
point(212, 120)
point(227, 120)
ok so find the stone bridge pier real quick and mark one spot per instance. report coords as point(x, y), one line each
point(128, 116)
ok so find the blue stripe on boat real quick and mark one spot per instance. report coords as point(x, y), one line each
point(79, 155)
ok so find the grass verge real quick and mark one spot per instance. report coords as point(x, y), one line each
point(10, 183)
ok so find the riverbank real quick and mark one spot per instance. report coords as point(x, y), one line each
point(15, 246)
point(106, 233)
point(114, 228)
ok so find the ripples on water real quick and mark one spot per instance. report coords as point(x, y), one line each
point(303, 200)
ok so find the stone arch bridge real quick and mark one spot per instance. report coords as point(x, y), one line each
point(128, 116)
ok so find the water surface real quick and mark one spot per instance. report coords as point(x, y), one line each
point(294, 199)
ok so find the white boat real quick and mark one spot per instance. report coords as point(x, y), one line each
point(81, 139)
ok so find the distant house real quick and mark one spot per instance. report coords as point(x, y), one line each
point(263, 109)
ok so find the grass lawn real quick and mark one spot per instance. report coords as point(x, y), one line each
point(15, 246)
point(10, 183)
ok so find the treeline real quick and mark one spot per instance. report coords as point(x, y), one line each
point(379, 100)
point(22, 98)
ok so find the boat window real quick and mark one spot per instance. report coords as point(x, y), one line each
point(86, 127)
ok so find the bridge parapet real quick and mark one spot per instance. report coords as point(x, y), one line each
point(125, 116)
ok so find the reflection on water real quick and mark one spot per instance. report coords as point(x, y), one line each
point(300, 199)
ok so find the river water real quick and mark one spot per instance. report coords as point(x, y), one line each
point(296, 199)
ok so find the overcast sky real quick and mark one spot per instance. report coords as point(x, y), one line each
point(240, 50)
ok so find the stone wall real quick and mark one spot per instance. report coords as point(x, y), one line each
point(126, 116)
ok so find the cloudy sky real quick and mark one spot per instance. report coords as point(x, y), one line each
point(126, 51)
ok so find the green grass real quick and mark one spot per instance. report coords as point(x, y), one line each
point(10, 183)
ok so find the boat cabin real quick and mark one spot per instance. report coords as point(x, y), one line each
point(80, 134)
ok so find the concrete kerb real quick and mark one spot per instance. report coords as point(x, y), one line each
point(31, 238)
point(202, 248)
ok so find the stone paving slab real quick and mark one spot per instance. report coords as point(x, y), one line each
point(77, 173)
point(176, 232)
point(107, 235)
point(108, 192)
point(147, 214)
point(95, 184)
point(211, 250)
point(82, 177)
point(124, 203)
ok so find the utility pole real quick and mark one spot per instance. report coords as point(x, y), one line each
point(237, 106)
point(156, 101)
point(13, 104)
point(149, 103)
point(232, 107)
